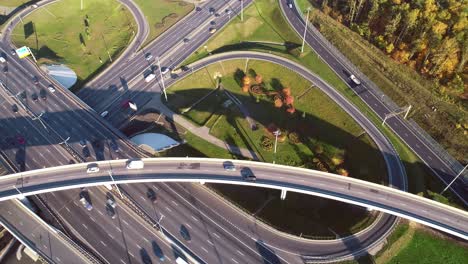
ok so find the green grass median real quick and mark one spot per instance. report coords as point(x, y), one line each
point(84, 40)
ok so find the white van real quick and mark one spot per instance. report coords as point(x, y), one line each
point(135, 164)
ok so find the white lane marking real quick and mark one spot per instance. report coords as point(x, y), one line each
point(143, 198)
point(57, 258)
point(210, 242)
point(194, 218)
point(216, 235)
point(204, 249)
point(102, 242)
point(240, 253)
point(125, 222)
point(121, 260)
point(189, 226)
point(133, 256)
point(174, 203)
point(234, 260)
point(94, 220)
point(110, 235)
point(100, 212)
point(167, 208)
point(66, 208)
point(84, 226)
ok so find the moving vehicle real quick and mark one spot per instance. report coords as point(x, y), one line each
point(247, 174)
point(92, 168)
point(290, 5)
point(114, 146)
point(354, 79)
point(151, 194)
point(13, 52)
point(2, 59)
point(51, 88)
point(150, 77)
point(185, 233)
point(43, 94)
point(14, 108)
point(135, 164)
point(212, 30)
point(180, 260)
point(164, 70)
point(35, 80)
point(34, 97)
point(229, 166)
point(104, 114)
point(148, 56)
point(86, 204)
point(110, 211)
point(111, 202)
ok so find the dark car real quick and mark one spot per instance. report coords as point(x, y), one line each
point(211, 10)
point(5, 69)
point(151, 194)
point(35, 80)
point(158, 251)
point(23, 95)
point(110, 211)
point(185, 233)
point(14, 108)
point(114, 146)
point(34, 97)
point(247, 174)
point(43, 94)
point(83, 142)
point(86, 152)
point(229, 166)
point(21, 140)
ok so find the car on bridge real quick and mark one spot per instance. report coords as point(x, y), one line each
point(247, 174)
point(86, 204)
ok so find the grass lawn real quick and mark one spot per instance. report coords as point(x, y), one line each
point(162, 14)
point(420, 179)
point(13, 3)
point(426, 248)
point(57, 34)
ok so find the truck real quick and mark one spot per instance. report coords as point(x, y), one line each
point(150, 77)
point(135, 164)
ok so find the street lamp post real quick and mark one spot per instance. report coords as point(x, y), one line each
point(117, 187)
point(276, 133)
point(305, 30)
point(454, 179)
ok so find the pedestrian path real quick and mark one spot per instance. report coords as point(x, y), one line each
point(202, 132)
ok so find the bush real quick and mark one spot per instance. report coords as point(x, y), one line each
point(266, 143)
point(294, 138)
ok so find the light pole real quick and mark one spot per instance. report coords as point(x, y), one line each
point(162, 79)
point(117, 187)
point(40, 120)
point(276, 133)
point(65, 141)
point(305, 30)
point(454, 179)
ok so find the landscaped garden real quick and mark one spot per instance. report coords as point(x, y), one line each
point(162, 14)
point(315, 133)
point(81, 39)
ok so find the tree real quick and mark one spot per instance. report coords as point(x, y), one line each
point(411, 18)
point(286, 91)
point(258, 79)
point(445, 57)
point(392, 25)
point(278, 102)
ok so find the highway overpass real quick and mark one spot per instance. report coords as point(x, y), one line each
point(373, 196)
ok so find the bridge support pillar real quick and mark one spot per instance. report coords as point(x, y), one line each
point(283, 194)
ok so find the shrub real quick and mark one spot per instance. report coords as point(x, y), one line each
point(266, 143)
point(294, 138)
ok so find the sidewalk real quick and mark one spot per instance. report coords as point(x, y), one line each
point(202, 132)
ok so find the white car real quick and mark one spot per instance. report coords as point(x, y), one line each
point(104, 114)
point(148, 57)
point(92, 169)
point(2, 60)
point(355, 80)
point(86, 204)
point(51, 88)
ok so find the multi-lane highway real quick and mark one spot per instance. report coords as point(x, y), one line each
point(375, 196)
point(344, 69)
point(124, 81)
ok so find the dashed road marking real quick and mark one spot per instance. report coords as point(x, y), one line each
point(216, 235)
point(234, 260)
point(240, 253)
point(194, 218)
point(174, 203)
point(204, 249)
point(84, 226)
point(167, 208)
point(125, 222)
point(102, 242)
point(210, 242)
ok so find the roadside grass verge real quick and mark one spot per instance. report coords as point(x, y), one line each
point(14, 3)
point(57, 34)
point(427, 248)
point(162, 14)
point(420, 178)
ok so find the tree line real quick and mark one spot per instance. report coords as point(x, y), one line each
point(430, 36)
